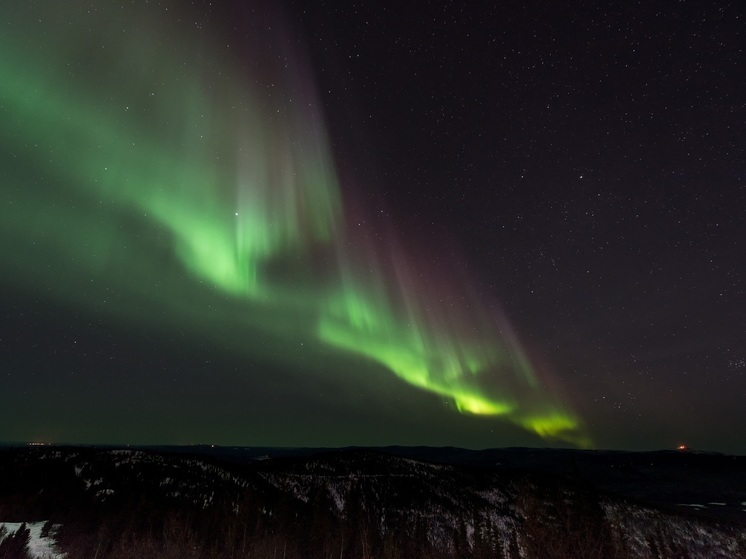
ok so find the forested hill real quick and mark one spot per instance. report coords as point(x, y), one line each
point(117, 503)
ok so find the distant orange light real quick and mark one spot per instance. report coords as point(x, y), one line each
point(681, 447)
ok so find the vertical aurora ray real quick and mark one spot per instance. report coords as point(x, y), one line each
point(234, 185)
point(129, 117)
point(426, 332)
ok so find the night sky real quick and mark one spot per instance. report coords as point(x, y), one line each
point(357, 223)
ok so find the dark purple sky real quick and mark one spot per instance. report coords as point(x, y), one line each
point(582, 162)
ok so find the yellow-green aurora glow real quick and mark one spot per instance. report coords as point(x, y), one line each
point(199, 165)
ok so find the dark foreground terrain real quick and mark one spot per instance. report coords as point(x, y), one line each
point(207, 502)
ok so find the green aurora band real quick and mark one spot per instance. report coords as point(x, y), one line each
point(127, 125)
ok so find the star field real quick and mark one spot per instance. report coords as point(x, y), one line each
point(368, 224)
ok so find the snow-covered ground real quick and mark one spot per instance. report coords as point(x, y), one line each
point(39, 547)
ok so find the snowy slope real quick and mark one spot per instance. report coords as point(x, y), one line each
point(39, 547)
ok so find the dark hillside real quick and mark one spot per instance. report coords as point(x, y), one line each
point(112, 503)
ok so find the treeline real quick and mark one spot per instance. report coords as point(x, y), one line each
point(257, 527)
point(265, 525)
point(348, 507)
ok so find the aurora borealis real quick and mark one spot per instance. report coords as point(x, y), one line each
point(174, 180)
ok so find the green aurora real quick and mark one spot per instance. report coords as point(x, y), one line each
point(151, 177)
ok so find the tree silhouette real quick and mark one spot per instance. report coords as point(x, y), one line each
point(15, 545)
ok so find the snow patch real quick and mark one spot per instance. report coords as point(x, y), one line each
point(338, 498)
point(470, 535)
point(39, 547)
